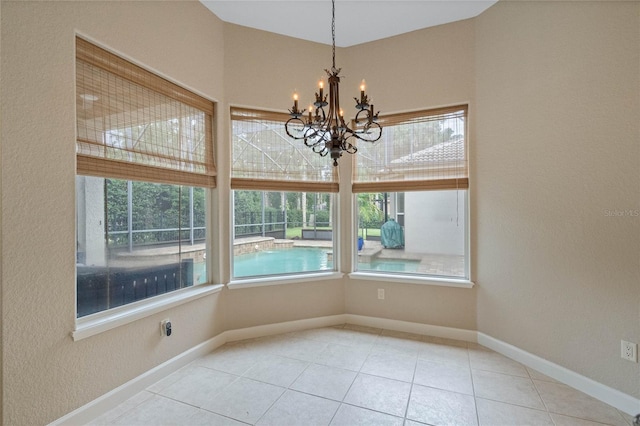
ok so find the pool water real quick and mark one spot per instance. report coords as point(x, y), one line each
point(298, 259)
point(199, 273)
point(285, 261)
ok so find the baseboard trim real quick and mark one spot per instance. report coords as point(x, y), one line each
point(613, 397)
point(283, 327)
point(111, 399)
point(413, 327)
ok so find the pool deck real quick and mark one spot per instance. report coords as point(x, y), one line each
point(432, 264)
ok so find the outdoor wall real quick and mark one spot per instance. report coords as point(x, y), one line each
point(435, 222)
point(91, 248)
point(45, 373)
point(557, 172)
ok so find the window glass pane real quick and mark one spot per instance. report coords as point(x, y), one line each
point(429, 146)
point(261, 149)
point(133, 124)
point(136, 240)
point(279, 233)
point(417, 232)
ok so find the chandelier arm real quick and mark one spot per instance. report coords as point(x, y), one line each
point(325, 123)
point(320, 149)
point(313, 142)
point(295, 120)
point(366, 116)
point(372, 139)
point(348, 147)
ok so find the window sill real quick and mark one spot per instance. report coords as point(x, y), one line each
point(407, 279)
point(286, 279)
point(103, 321)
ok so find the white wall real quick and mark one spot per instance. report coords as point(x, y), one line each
point(435, 222)
point(90, 218)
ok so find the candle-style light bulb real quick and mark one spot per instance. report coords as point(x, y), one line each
point(362, 87)
point(321, 85)
point(295, 101)
point(310, 112)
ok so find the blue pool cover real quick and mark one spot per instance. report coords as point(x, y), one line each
point(391, 234)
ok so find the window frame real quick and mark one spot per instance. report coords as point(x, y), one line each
point(416, 186)
point(415, 278)
point(286, 278)
point(87, 165)
point(289, 183)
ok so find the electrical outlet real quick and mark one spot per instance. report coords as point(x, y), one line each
point(381, 293)
point(629, 351)
point(165, 328)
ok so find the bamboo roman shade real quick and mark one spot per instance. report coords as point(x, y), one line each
point(265, 158)
point(422, 150)
point(133, 124)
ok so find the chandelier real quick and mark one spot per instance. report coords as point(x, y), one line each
point(326, 132)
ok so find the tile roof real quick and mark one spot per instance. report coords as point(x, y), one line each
point(444, 152)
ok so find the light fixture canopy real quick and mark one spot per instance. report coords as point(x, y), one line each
point(326, 132)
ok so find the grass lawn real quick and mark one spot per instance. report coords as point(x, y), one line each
point(369, 232)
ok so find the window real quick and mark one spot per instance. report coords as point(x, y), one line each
point(277, 233)
point(411, 196)
point(283, 200)
point(144, 161)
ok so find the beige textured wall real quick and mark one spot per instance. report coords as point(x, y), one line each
point(262, 70)
point(46, 374)
point(1, 317)
point(422, 69)
point(558, 146)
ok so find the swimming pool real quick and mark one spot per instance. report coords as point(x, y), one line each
point(302, 259)
point(285, 261)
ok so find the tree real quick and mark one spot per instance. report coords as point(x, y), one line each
point(369, 214)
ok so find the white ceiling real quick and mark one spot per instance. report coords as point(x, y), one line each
point(357, 21)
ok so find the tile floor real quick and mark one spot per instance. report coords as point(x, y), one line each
point(351, 375)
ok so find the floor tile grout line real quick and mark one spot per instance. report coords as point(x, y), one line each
point(271, 406)
point(413, 379)
point(225, 416)
point(544, 403)
point(473, 387)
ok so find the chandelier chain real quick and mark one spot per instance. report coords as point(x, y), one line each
point(333, 31)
